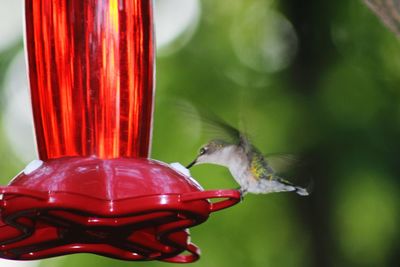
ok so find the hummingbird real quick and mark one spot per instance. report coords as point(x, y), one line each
point(247, 165)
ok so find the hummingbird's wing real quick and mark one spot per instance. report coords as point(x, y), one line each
point(220, 127)
point(225, 130)
point(213, 125)
point(282, 162)
point(290, 164)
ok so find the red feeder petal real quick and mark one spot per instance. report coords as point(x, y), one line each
point(91, 76)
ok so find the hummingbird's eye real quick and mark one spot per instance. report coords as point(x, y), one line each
point(203, 150)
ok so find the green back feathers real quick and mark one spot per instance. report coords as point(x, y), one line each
point(259, 166)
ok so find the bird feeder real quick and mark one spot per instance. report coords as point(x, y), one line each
point(94, 189)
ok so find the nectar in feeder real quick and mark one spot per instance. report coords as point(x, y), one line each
point(94, 189)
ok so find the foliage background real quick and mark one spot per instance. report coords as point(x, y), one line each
point(316, 78)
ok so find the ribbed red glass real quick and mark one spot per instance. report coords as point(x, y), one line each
point(91, 76)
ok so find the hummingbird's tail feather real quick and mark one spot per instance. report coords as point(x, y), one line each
point(301, 191)
point(305, 191)
point(298, 189)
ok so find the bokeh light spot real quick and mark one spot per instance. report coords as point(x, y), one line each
point(175, 23)
point(11, 22)
point(354, 101)
point(263, 39)
point(367, 217)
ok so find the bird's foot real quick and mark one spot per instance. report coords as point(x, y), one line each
point(243, 192)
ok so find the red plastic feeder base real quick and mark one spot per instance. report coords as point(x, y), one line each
point(130, 209)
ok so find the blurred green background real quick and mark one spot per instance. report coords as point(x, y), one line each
point(316, 78)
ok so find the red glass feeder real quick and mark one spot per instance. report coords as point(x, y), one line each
point(95, 190)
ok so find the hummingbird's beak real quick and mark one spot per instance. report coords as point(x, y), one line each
point(191, 164)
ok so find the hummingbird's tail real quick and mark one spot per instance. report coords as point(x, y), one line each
point(298, 189)
point(305, 191)
point(301, 191)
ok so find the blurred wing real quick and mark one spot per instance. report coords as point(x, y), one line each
point(218, 127)
point(282, 162)
point(388, 11)
point(213, 125)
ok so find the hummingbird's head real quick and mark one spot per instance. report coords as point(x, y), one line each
point(212, 152)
